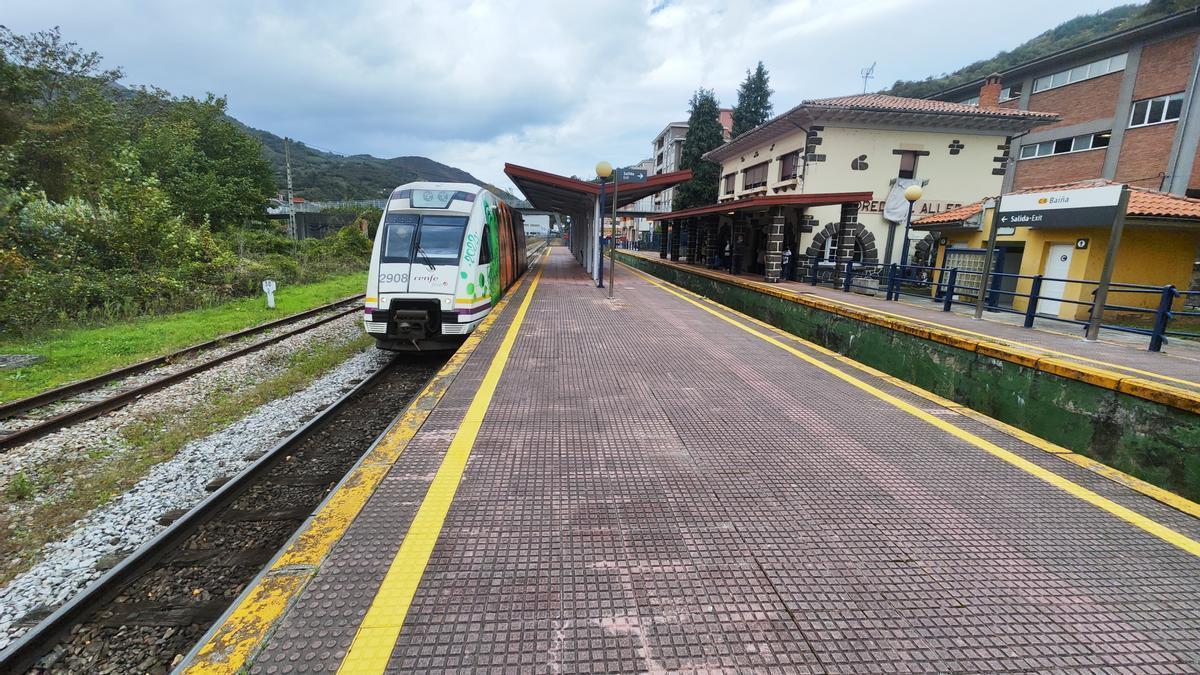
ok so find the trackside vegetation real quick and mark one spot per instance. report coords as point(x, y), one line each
point(117, 203)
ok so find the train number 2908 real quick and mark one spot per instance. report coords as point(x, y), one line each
point(400, 278)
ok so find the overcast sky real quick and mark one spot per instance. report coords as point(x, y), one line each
point(553, 84)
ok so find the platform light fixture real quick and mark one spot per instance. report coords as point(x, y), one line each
point(912, 193)
point(603, 171)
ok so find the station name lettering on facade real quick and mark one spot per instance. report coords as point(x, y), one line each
point(923, 208)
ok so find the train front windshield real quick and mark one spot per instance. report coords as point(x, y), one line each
point(433, 237)
point(441, 237)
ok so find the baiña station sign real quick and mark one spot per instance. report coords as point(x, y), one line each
point(1088, 207)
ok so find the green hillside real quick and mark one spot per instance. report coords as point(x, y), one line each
point(1063, 36)
point(321, 176)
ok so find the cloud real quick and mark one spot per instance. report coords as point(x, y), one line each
point(556, 85)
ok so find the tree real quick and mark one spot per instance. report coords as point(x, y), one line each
point(59, 127)
point(754, 101)
point(211, 169)
point(704, 134)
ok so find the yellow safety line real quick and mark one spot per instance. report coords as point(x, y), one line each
point(376, 636)
point(245, 628)
point(1116, 475)
point(1128, 515)
point(989, 338)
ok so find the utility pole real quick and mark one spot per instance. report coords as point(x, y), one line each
point(287, 161)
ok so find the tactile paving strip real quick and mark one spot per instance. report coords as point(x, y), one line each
point(655, 489)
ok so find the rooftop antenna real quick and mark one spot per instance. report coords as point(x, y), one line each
point(867, 74)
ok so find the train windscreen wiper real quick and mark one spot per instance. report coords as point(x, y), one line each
point(425, 258)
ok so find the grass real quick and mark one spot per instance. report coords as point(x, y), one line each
point(73, 354)
point(1186, 324)
point(102, 474)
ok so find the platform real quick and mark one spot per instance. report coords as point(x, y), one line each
point(1123, 353)
point(656, 483)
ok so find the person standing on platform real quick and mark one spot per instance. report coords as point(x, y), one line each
point(739, 250)
point(787, 263)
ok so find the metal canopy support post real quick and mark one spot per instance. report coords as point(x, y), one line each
point(663, 229)
point(1110, 259)
point(986, 274)
point(612, 240)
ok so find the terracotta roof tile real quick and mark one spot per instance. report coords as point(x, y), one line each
point(886, 103)
point(1143, 203)
point(952, 216)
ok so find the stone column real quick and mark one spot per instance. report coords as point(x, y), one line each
point(676, 228)
point(663, 229)
point(847, 228)
point(774, 258)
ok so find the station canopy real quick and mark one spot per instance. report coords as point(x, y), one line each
point(560, 194)
point(766, 202)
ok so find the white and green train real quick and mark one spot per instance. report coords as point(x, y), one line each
point(444, 255)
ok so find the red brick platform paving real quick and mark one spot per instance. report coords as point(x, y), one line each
point(654, 489)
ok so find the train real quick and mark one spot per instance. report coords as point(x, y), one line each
point(444, 254)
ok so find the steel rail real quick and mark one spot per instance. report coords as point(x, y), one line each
point(122, 399)
point(23, 654)
point(19, 406)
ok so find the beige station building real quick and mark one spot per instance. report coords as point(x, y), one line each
point(871, 143)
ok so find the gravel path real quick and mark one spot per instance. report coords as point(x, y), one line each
point(125, 523)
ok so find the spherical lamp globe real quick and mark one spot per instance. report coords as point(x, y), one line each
point(603, 169)
point(912, 193)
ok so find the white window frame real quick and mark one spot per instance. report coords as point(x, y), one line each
point(1087, 71)
point(1046, 148)
point(1166, 101)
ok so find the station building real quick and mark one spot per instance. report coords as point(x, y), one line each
point(874, 145)
point(1128, 104)
point(1157, 247)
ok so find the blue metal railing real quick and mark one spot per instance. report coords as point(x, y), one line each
point(947, 285)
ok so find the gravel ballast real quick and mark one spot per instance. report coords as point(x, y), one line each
point(120, 526)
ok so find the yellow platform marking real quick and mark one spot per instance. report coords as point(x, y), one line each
point(247, 626)
point(1116, 475)
point(800, 295)
point(376, 636)
point(1128, 515)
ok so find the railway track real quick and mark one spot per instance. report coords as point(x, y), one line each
point(26, 409)
point(147, 611)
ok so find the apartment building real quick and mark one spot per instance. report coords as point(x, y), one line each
point(667, 151)
point(1129, 108)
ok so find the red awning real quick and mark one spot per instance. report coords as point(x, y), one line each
point(552, 192)
point(766, 202)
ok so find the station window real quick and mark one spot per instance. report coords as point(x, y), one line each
point(908, 164)
point(1087, 71)
point(1156, 110)
point(974, 100)
point(755, 176)
point(789, 165)
point(1065, 145)
point(730, 181)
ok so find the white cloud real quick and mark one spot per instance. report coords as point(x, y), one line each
point(551, 84)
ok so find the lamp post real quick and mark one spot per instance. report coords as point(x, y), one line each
point(603, 171)
point(912, 193)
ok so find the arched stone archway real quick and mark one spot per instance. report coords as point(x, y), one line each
point(865, 252)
